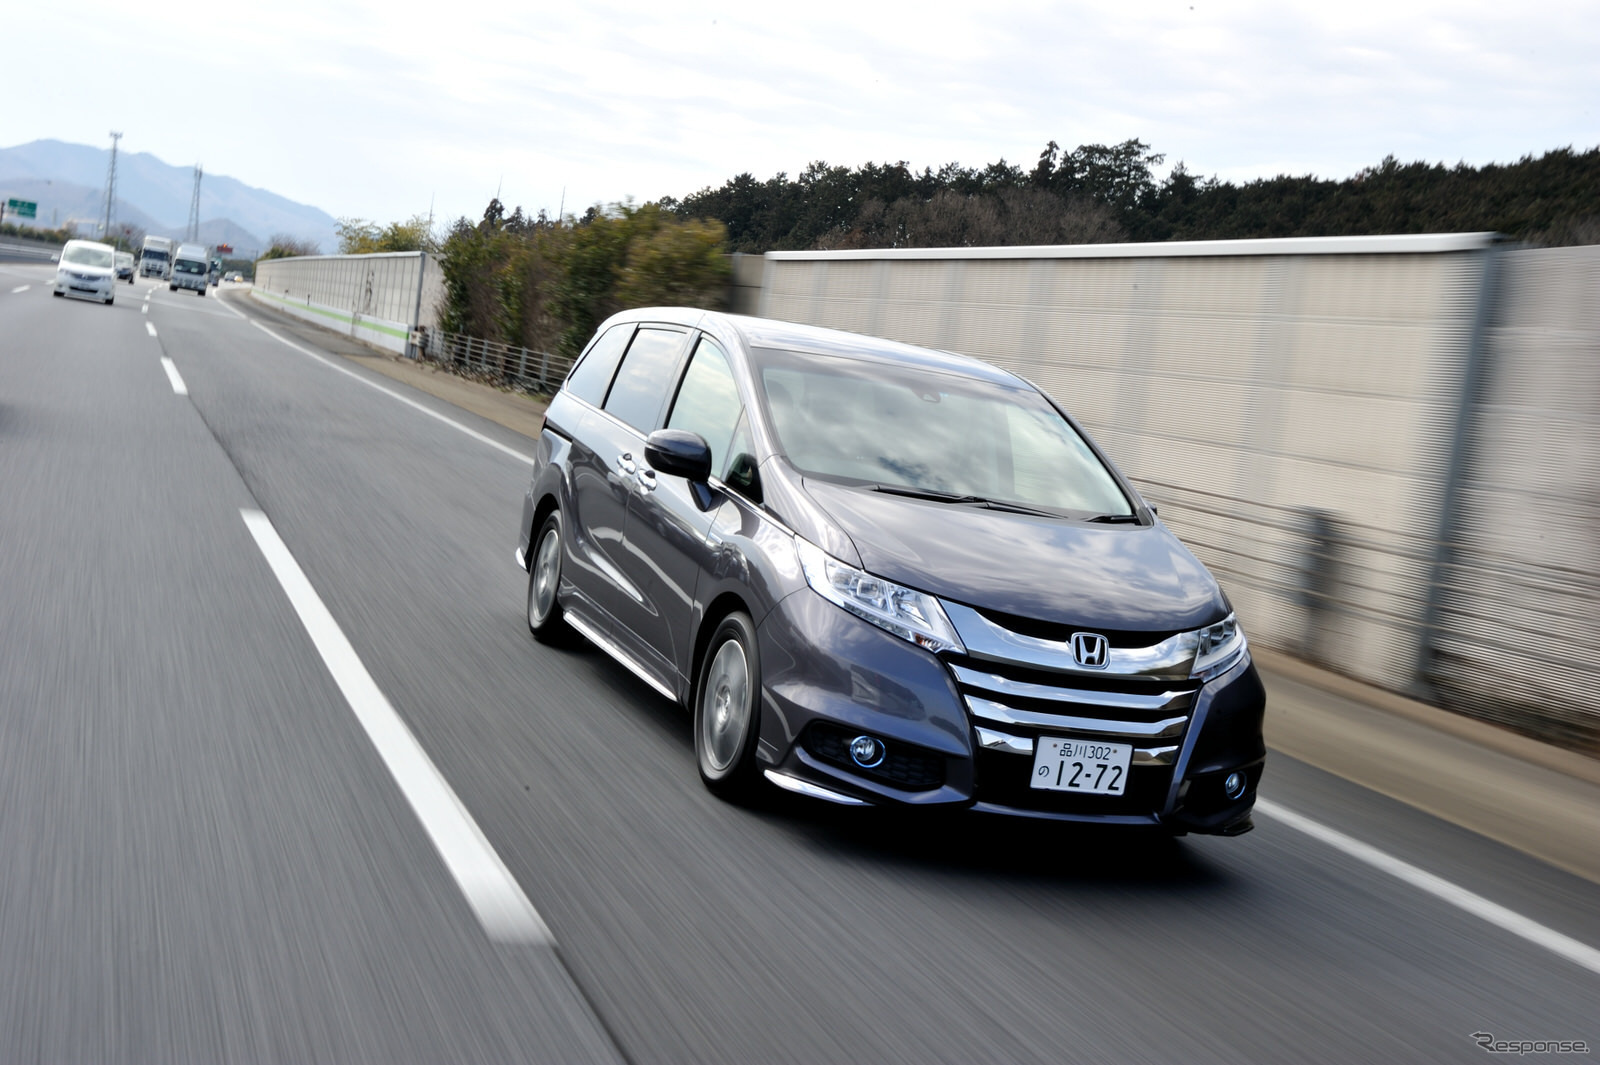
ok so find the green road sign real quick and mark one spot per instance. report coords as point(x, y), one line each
point(23, 208)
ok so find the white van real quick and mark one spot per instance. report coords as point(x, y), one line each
point(190, 265)
point(88, 270)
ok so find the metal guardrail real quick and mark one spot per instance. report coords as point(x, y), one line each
point(13, 249)
point(534, 371)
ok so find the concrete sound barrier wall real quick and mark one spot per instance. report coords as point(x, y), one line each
point(380, 298)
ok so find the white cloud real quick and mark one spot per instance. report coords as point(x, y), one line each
point(374, 109)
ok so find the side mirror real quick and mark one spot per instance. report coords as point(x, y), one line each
point(679, 453)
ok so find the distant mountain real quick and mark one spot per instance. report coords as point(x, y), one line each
point(68, 182)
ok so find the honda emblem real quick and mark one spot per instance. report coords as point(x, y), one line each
point(1090, 650)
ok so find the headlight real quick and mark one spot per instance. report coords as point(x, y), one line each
point(908, 614)
point(1221, 647)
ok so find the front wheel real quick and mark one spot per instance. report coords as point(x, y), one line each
point(202, 293)
point(727, 709)
point(544, 581)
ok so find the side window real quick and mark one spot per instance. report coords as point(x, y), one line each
point(708, 401)
point(645, 378)
point(588, 379)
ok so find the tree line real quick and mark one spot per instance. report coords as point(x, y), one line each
point(545, 283)
point(1097, 193)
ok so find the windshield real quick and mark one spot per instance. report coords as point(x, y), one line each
point(905, 427)
point(87, 255)
point(155, 253)
point(189, 266)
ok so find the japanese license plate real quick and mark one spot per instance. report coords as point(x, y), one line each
point(1089, 767)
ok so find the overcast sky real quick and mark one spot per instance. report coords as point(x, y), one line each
point(375, 110)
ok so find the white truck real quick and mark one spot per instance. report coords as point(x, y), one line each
point(191, 265)
point(155, 258)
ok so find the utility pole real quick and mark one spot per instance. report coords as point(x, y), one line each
point(111, 187)
point(194, 207)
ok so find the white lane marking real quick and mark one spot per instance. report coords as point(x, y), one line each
point(144, 309)
point(172, 375)
point(20, 288)
point(490, 889)
point(1580, 954)
point(391, 393)
point(147, 293)
point(150, 327)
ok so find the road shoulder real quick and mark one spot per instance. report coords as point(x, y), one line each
point(1528, 795)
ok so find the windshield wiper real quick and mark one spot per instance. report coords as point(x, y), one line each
point(952, 497)
point(1115, 519)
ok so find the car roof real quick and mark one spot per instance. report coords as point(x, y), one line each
point(87, 244)
point(792, 336)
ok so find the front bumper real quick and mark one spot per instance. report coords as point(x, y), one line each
point(89, 288)
point(829, 676)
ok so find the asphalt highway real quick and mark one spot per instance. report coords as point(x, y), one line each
point(237, 829)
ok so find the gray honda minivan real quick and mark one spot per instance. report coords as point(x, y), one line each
point(879, 574)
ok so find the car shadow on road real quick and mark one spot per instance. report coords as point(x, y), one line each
point(964, 843)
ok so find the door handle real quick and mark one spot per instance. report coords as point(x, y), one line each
point(625, 464)
point(646, 480)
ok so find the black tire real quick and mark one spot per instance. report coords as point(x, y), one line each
point(202, 293)
point(110, 301)
point(544, 582)
point(727, 710)
point(58, 294)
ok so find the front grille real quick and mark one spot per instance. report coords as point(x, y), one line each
point(1116, 707)
point(904, 766)
point(1018, 704)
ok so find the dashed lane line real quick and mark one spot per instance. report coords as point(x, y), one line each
point(172, 375)
point(490, 889)
point(20, 288)
point(150, 327)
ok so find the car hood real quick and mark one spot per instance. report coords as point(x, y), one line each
point(1119, 577)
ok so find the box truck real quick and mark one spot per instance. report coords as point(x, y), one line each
point(155, 259)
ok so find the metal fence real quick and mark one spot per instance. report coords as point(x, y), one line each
point(533, 371)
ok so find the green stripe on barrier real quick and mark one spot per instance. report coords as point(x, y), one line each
point(338, 316)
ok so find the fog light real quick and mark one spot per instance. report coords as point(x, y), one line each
point(1234, 785)
point(867, 752)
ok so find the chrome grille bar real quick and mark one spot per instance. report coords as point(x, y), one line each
point(1010, 715)
point(1020, 689)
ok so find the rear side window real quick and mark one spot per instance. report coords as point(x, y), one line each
point(645, 379)
point(588, 379)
